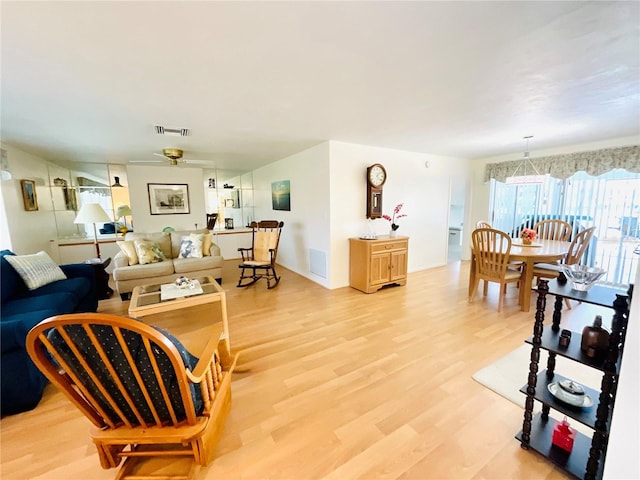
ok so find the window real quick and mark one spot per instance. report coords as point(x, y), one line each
point(610, 202)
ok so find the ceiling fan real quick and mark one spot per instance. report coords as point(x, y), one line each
point(173, 156)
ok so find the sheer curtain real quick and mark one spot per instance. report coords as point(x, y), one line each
point(610, 202)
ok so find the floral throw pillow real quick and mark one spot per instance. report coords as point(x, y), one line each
point(191, 246)
point(148, 252)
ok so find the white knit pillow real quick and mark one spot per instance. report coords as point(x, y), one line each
point(37, 269)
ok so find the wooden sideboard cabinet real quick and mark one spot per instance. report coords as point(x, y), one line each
point(376, 263)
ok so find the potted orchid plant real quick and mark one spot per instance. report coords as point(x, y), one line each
point(393, 218)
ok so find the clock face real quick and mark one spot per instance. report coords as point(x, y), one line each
point(377, 175)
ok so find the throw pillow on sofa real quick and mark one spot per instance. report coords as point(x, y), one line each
point(191, 246)
point(129, 249)
point(148, 252)
point(207, 240)
point(37, 269)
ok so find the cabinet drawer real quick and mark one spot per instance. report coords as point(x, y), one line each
point(385, 247)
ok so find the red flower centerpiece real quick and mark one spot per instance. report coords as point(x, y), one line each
point(527, 235)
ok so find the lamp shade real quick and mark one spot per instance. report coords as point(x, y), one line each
point(91, 213)
point(123, 211)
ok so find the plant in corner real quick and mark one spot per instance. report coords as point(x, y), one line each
point(396, 215)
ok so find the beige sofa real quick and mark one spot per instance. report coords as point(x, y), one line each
point(128, 276)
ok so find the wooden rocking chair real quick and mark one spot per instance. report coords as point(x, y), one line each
point(145, 395)
point(262, 254)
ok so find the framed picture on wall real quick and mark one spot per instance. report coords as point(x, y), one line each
point(281, 195)
point(29, 196)
point(168, 198)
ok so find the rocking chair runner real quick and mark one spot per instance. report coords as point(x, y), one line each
point(262, 254)
point(144, 393)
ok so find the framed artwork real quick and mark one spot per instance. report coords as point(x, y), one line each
point(228, 223)
point(168, 198)
point(229, 202)
point(281, 195)
point(29, 196)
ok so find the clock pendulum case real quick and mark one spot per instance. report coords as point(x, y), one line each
point(376, 176)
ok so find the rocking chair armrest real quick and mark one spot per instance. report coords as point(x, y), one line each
point(215, 345)
point(246, 253)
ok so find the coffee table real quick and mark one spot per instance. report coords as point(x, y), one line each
point(146, 301)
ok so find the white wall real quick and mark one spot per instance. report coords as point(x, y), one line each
point(622, 460)
point(307, 225)
point(328, 203)
point(138, 177)
point(424, 191)
point(30, 231)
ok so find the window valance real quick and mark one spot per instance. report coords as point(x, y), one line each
point(595, 162)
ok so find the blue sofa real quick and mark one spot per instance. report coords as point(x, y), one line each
point(21, 309)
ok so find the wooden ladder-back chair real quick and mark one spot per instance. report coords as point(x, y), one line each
point(577, 248)
point(145, 395)
point(553, 229)
point(262, 255)
point(491, 249)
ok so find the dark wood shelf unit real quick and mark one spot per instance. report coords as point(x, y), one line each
point(550, 342)
point(586, 460)
point(584, 415)
point(574, 462)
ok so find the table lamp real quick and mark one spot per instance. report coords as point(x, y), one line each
point(123, 211)
point(92, 213)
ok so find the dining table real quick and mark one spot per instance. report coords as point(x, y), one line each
point(539, 251)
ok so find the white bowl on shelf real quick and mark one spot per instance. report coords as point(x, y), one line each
point(571, 393)
point(581, 276)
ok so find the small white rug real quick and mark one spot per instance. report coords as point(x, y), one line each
point(508, 374)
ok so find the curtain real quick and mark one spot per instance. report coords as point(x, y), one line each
point(595, 162)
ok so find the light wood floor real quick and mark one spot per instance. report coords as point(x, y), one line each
point(337, 384)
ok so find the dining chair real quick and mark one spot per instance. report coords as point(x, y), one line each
point(553, 229)
point(574, 256)
point(483, 224)
point(491, 249)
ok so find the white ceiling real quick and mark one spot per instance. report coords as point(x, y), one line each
point(257, 81)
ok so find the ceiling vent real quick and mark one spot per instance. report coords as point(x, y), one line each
point(173, 132)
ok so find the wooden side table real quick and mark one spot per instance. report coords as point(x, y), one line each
point(102, 277)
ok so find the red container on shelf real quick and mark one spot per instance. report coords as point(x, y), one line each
point(564, 435)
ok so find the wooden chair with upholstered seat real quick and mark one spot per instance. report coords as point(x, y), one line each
point(259, 261)
point(491, 249)
point(553, 229)
point(145, 395)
